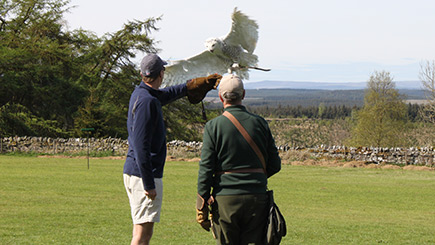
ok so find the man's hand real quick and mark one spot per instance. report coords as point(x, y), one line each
point(151, 194)
point(198, 88)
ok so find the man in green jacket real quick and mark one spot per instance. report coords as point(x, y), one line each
point(231, 176)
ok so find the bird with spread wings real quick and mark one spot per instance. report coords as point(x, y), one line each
point(232, 53)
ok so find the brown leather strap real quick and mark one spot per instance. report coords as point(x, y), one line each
point(242, 170)
point(248, 138)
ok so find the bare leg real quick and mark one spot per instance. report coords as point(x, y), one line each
point(142, 234)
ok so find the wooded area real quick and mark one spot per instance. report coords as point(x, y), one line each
point(55, 81)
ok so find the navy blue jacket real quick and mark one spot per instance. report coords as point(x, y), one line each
point(146, 131)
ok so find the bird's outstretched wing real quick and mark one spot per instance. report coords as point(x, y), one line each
point(201, 65)
point(240, 45)
point(244, 31)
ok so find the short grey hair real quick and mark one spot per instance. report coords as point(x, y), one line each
point(232, 96)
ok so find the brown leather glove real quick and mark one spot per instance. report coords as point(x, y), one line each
point(198, 88)
point(202, 213)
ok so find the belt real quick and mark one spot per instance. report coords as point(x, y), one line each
point(242, 170)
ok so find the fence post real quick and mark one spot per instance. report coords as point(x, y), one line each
point(88, 130)
point(430, 160)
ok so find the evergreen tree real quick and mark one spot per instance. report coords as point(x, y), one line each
point(37, 66)
point(68, 80)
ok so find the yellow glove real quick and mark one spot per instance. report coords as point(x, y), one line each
point(198, 88)
point(202, 213)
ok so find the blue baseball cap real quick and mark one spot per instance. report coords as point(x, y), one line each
point(151, 65)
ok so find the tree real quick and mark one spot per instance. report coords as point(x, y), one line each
point(321, 110)
point(109, 76)
point(427, 77)
point(381, 121)
point(184, 121)
point(37, 69)
point(66, 79)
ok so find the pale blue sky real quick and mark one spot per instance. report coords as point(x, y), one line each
point(303, 40)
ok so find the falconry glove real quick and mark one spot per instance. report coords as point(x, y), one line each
point(202, 213)
point(198, 88)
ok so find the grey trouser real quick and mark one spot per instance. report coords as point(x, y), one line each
point(240, 219)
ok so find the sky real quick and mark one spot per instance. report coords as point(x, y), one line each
point(300, 40)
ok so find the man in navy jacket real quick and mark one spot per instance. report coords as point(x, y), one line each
point(143, 168)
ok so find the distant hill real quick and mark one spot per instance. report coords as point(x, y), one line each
point(322, 85)
point(309, 97)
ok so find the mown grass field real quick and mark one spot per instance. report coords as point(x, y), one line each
point(60, 201)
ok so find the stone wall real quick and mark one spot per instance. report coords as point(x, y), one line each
point(59, 145)
point(406, 156)
point(47, 145)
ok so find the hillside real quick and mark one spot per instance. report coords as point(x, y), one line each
point(323, 85)
point(310, 97)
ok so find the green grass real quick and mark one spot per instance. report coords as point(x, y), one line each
point(60, 201)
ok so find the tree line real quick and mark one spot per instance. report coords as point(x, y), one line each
point(324, 111)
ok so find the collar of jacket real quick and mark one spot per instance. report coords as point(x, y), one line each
point(235, 108)
point(153, 92)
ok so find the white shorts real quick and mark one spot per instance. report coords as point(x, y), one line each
point(143, 209)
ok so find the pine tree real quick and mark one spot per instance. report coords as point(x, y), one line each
point(67, 80)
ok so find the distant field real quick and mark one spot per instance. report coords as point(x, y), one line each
point(420, 102)
point(60, 201)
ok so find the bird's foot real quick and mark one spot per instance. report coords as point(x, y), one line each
point(234, 67)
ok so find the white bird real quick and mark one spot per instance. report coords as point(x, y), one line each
point(232, 53)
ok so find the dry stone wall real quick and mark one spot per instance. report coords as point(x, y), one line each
point(60, 145)
point(406, 156)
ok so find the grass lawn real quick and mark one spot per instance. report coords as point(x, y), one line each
point(60, 201)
